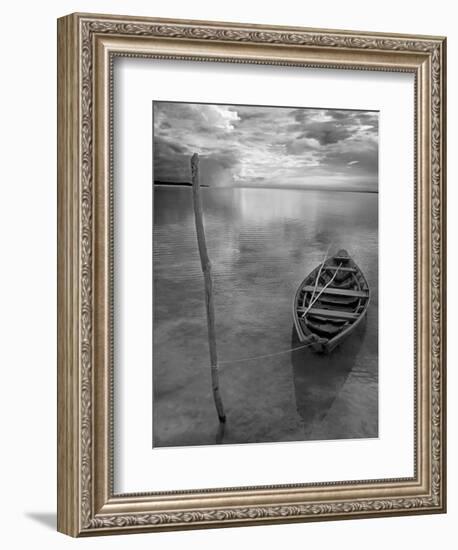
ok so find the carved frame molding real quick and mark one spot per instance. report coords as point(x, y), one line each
point(87, 46)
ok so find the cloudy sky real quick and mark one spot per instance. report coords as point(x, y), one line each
point(267, 146)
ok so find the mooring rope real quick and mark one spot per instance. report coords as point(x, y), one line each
point(253, 358)
point(318, 277)
point(312, 301)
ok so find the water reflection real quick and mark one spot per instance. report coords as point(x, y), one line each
point(220, 433)
point(319, 379)
point(261, 243)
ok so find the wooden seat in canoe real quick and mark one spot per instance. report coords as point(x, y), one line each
point(337, 291)
point(330, 313)
point(340, 268)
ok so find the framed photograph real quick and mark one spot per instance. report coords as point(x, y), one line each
point(251, 289)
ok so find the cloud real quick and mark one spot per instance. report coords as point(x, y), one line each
point(250, 145)
point(326, 133)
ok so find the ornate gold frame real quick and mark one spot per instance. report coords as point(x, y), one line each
point(86, 46)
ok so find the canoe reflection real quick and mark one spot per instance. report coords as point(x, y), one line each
point(319, 378)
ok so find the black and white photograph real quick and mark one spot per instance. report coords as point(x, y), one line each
point(265, 274)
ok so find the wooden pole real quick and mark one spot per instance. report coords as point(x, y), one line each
point(206, 269)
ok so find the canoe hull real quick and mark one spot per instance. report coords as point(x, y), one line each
point(330, 303)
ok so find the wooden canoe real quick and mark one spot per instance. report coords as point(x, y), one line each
point(330, 303)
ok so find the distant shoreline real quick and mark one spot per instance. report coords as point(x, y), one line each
point(290, 187)
point(303, 188)
point(177, 183)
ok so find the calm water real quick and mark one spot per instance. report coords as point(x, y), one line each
point(261, 243)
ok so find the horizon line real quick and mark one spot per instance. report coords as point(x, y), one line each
point(264, 186)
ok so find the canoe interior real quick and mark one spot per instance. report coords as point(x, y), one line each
point(330, 302)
